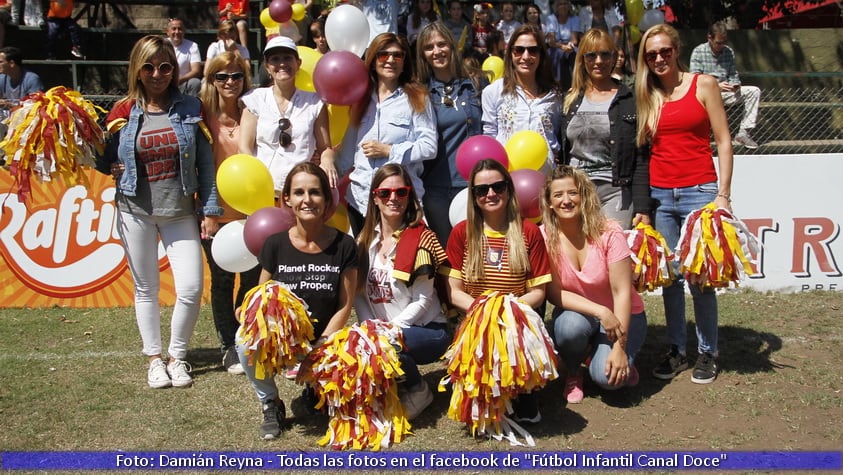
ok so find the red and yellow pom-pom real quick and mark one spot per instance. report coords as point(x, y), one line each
point(715, 248)
point(354, 374)
point(275, 328)
point(52, 132)
point(501, 350)
point(651, 258)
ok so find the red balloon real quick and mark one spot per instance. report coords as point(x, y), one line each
point(476, 148)
point(340, 78)
point(528, 188)
point(264, 223)
point(281, 10)
point(335, 194)
point(342, 186)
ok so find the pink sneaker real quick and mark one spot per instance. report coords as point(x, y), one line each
point(293, 372)
point(573, 390)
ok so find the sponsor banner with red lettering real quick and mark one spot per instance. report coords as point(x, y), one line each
point(62, 248)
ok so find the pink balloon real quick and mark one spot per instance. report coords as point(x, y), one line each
point(528, 188)
point(281, 10)
point(340, 78)
point(264, 223)
point(476, 148)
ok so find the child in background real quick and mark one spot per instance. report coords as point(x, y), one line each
point(238, 12)
point(59, 18)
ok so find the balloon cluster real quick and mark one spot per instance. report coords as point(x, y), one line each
point(524, 155)
point(641, 19)
point(245, 184)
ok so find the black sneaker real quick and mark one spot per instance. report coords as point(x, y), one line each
point(526, 409)
point(673, 364)
point(705, 371)
point(273, 418)
point(304, 406)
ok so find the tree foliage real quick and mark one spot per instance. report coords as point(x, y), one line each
point(698, 14)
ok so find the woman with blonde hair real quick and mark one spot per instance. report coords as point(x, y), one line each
point(228, 79)
point(677, 113)
point(495, 249)
point(598, 133)
point(598, 312)
point(394, 123)
point(157, 181)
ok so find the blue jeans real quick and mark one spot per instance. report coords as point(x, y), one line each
point(674, 206)
point(573, 332)
point(437, 207)
point(424, 345)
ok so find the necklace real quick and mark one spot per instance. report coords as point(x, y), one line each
point(230, 130)
point(384, 251)
point(494, 255)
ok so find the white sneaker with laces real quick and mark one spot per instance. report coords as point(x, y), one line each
point(416, 400)
point(180, 373)
point(744, 139)
point(157, 376)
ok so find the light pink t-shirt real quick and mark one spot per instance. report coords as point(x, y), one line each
point(592, 282)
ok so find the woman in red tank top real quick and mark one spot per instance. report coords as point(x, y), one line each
point(677, 113)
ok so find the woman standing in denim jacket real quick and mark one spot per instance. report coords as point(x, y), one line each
point(456, 101)
point(598, 133)
point(160, 156)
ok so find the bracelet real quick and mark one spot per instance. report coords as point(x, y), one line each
point(728, 198)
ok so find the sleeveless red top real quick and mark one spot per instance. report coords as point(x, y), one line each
point(681, 148)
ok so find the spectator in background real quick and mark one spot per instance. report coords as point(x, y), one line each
point(237, 12)
point(621, 72)
point(16, 82)
point(382, 16)
point(189, 59)
point(481, 27)
point(598, 14)
point(533, 16)
point(227, 41)
point(317, 36)
point(60, 18)
point(459, 26)
point(507, 24)
point(717, 59)
point(421, 16)
point(563, 34)
point(5, 17)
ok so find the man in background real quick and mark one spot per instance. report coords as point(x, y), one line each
point(717, 59)
point(187, 54)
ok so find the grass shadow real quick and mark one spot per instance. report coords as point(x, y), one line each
point(205, 360)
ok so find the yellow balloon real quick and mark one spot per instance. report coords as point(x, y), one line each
point(338, 118)
point(634, 34)
point(304, 77)
point(298, 11)
point(634, 11)
point(526, 149)
point(267, 20)
point(339, 220)
point(245, 184)
point(494, 65)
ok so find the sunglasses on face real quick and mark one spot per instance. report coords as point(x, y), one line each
point(665, 53)
point(519, 50)
point(592, 56)
point(482, 190)
point(223, 77)
point(385, 193)
point(383, 56)
point(285, 126)
point(165, 69)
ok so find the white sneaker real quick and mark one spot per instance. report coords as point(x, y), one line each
point(157, 376)
point(231, 362)
point(745, 140)
point(416, 400)
point(179, 373)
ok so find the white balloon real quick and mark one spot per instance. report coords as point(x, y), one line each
point(459, 208)
point(229, 248)
point(649, 19)
point(347, 29)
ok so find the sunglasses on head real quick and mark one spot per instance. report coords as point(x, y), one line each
point(591, 56)
point(519, 50)
point(384, 193)
point(164, 68)
point(284, 126)
point(383, 56)
point(482, 190)
point(223, 77)
point(665, 53)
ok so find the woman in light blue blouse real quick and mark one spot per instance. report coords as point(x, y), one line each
point(456, 100)
point(394, 123)
point(525, 98)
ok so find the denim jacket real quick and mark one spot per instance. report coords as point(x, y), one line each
point(198, 172)
point(630, 164)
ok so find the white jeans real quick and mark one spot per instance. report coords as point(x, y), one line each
point(750, 96)
point(180, 237)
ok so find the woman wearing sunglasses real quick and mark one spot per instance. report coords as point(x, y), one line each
point(394, 123)
point(598, 312)
point(525, 98)
point(160, 157)
point(228, 79)
point(398, 258)
point(677, 113)
point(283, 125)
point(598, 132)
point(495, 249)
point(456, 102)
